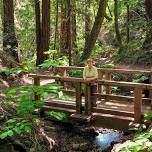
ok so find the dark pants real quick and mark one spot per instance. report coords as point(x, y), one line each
point(93, 97)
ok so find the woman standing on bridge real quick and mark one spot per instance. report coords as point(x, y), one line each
point(90, 73)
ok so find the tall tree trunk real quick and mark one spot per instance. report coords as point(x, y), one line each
point(42, 29)
point(38, 30)
point(127, 24)
point(10, 43)
point(95, 30)
point(56, 25)
point(118, 38)
point(66, 36)
point(69, 30)
point(63, 33)
point(45, 27)
point(87, 22)
point(148, 39)
point(74, 30)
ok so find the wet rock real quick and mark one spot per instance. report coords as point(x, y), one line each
point(81, 146)
point(91, 131)
point(7, 148)
point(104, 130)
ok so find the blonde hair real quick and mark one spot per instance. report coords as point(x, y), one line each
point(90, 60)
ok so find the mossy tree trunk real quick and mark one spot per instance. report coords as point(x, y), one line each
point(74, 30)
point(87, 22)
point(118, 37)
point(10, 43)
point(56, 38)
point(127, 24)
point(95, 30)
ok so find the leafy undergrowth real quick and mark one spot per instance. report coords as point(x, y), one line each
point(141, 142)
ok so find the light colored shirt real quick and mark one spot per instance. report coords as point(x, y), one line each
point(89, 73)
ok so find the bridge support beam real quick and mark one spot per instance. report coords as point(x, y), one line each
point(137, 104)
point(88, 99)
point(78, 98)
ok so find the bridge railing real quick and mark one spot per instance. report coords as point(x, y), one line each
point(137, 88)
point(107, 74)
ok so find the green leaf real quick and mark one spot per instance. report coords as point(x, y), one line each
point(11, 121)
point(28, 129)
point(17, 130)
point(10, 133)
point(3, 135)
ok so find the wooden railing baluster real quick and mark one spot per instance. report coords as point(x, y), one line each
point(88, 99)
point(137, 104)
point(78, 98)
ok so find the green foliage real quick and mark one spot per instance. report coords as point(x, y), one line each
point(56, 115)
point(25, 120)
point(107, 66)
point(16, 126)
point(51, 62)
point(18, 70)
point(76, 73)
point(140, 78)
point(141, 142)
point(148, 116)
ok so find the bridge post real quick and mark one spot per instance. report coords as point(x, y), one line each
point(36, 83)
point(88, 99)
point(150, 91)
point(78, 98)
point(64, 75)
point(137, 104)
point(100, 87)
point(108, 88)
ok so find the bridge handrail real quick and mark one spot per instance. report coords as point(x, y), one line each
point(102, 82)
point(109, 70)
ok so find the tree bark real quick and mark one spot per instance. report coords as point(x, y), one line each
point(56, 26)
point(42, 30)
point(118, 37)
point(45, 27)
point(10, 43)
point(74, 30)
point(63, 33)
point(69, 30)
point(127, 25)
point(87, 22)
point(95, 30)
point(147, 44)
point(38, 30)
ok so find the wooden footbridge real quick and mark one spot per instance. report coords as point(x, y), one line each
point(112, 111)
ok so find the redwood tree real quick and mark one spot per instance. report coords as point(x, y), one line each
point(95, 30)
point(42, 29)
point(63, 32)
point(148, 39)
point(10, 43)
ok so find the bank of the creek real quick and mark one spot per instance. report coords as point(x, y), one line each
point(79, 138)
point(74, 138)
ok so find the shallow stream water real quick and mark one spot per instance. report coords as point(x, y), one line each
point(105, 140)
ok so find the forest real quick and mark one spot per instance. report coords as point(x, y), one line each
point(52, 40)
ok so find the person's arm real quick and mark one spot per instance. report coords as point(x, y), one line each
point(95, 76)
